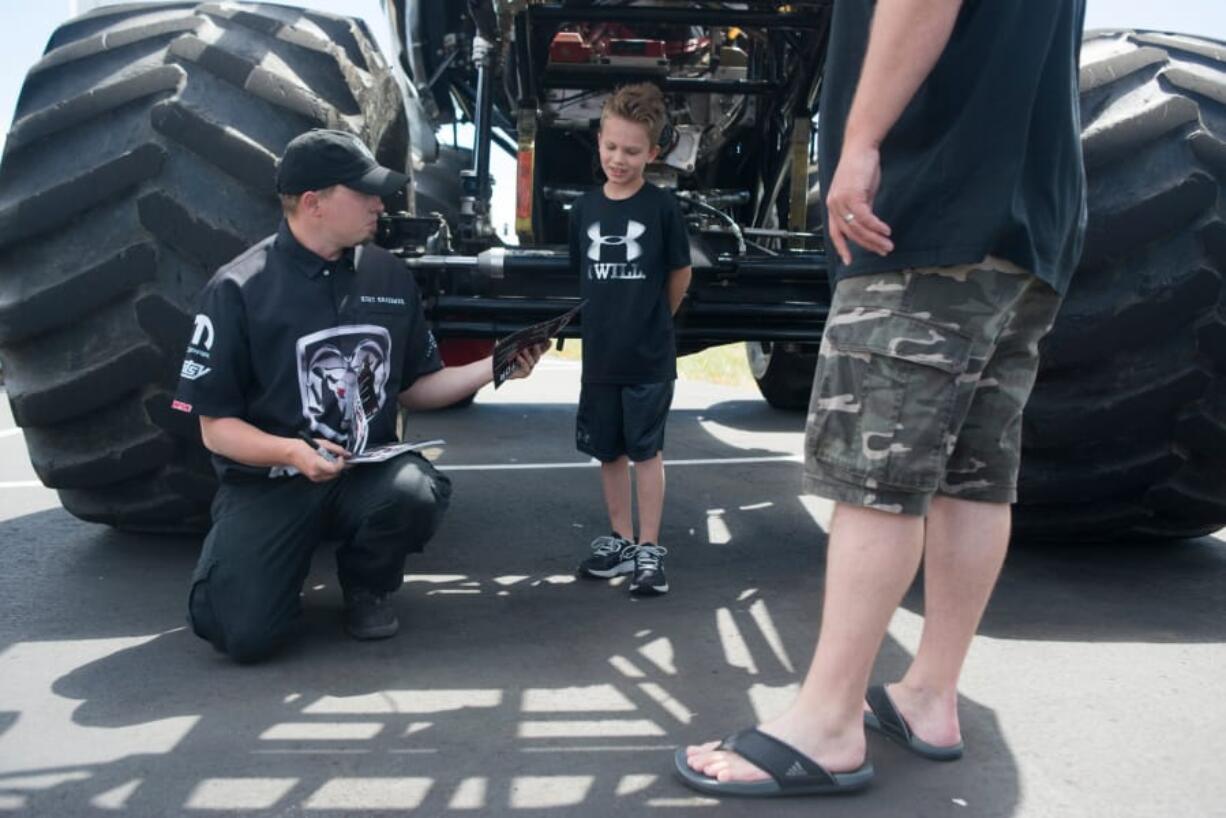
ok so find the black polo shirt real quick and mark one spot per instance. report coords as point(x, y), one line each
point(289, 342)
point(986, 157)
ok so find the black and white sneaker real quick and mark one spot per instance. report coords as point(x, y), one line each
point(648, 579)
point(607, 559)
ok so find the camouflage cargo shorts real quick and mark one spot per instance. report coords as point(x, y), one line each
point(921, 381)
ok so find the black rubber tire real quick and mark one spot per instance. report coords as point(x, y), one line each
point(437, 189)
point(437, 186)
point(1125, 435)
point(784, 373)
point(141, 158)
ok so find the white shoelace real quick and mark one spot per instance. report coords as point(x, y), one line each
point(646, 557)
point(604, 546)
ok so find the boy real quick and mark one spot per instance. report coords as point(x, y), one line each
point(629, 246)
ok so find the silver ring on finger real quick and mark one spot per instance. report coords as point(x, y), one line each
point(849, 217)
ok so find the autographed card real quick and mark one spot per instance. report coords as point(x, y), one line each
point(380, 453)
point(507, 348)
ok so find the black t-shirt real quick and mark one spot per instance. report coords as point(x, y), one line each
point(289, 342)
point(623, 251)
point(986, 158)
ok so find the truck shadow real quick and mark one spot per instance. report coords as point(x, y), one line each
point(1071, 591)
point(513, 687)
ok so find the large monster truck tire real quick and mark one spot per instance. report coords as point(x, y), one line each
point(437, 186)
point(1125, 435)
point(141, 159)
point(783, 372)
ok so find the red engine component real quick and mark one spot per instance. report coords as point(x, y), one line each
point(604, 36)
point(569, 47)
point(614, 40)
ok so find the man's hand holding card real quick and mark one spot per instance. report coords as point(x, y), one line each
point(516, 354)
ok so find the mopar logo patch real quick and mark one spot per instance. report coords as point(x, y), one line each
point(202, 334)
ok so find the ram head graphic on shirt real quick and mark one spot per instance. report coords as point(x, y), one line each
point(342, 377)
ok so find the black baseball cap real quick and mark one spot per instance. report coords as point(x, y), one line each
point(321, 158)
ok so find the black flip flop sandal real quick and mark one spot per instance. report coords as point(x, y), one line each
point(791, 771)
point(885, 719)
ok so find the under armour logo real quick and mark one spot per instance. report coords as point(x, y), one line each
point(633, 250)
point(203, 334)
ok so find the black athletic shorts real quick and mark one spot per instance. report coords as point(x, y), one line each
point(622, 419)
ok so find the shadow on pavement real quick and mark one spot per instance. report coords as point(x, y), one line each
point(1129, 592)
point(513, 687)
point(1147, 592)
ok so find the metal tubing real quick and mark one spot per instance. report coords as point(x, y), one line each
point(670, 85)
point(724, 18)
point(509, 260)
point(484, 116)
point(810, 333)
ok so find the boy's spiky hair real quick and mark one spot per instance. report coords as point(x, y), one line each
point(642, 103)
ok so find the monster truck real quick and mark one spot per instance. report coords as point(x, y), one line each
point(141, 158)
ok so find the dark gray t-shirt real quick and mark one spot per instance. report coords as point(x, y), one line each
point(986, 158)
point(623, 251)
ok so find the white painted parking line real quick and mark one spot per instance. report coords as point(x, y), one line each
point(589, 464)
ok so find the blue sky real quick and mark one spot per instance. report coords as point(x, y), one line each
point(25, 26)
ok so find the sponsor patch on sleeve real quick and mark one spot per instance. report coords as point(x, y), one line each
point(181, 406)
point(193, 370)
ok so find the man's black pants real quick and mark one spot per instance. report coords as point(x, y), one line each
point(245, 592)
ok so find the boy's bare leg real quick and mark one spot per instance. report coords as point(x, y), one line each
point(649, 488)
point(964, 550)
point(870, 563)
point(615, 481)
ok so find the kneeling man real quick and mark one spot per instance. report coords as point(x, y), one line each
point(303, 348)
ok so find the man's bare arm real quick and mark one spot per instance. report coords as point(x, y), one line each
point(448, 385)
point(452, 383)
point(906, 40)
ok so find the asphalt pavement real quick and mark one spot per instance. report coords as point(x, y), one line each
point(515, 689)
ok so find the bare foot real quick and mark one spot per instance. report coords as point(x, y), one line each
point(837, 753)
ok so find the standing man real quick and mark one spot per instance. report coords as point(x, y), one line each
point(302, 350)
point(951, 162)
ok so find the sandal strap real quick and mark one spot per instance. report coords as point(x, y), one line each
point(781, 761)
point(887, 714)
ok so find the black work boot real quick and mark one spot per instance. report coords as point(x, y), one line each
point(369, 615)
